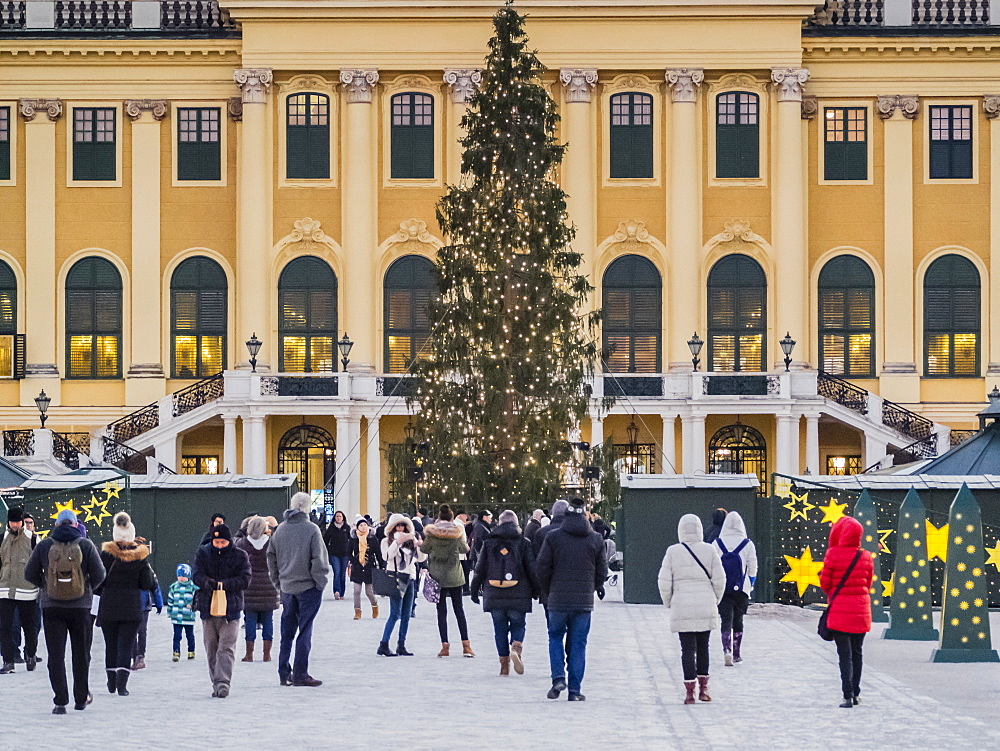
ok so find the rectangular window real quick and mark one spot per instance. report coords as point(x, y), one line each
point(307, 137)
point(631, 136)
point(412, 137)
point(737, 136)
point(843, 465)
point(845, 143)
point(5, 126)
point(94, 144)
point(950, 149)
point(199, 154)
point(195, 464)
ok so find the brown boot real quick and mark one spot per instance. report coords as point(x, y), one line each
point(703, 688)
point(267, 651)
point(357, 614)
point(504, 666)
point(467, 649)
point(515, 656)
point(689, 688)
point(374, 611)
point(249, 655)
point(444, 650)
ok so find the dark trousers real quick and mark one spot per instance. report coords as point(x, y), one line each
point(573, 626)
point(466, 569)
point(77, 625)
point(297, 615)
point(732, 608)
point(140, 637)
point(188, 630)
point(849, 652)
point(508, 627)
point(694, 653)
point(18, 627)
point(27, 610)
point(119, 641)
point(455, 595)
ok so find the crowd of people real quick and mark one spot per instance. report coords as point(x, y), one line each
point(65, 585)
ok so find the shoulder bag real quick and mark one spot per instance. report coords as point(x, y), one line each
point(824, 631)
point(697, 560)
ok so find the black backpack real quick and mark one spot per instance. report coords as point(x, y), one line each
point(503, 566)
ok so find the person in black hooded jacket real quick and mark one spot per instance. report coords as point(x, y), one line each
point(715, 528)
point(507, 604)
point(572, 565)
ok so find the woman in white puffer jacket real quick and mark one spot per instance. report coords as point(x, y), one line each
point(692, 583)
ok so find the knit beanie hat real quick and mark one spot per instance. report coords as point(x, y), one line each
point(66, 516)
point(221, 532)
point(559, 509)
point(358, 518)
point(183, 570)
point(15, 514)
point(124, 531)
point(508, 516)
point(256, 528)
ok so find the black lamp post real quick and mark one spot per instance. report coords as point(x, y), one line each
point(253, 347)
point(787, 345)
point(695, 344)
point(409, 430)
point(42, 401)
point(345, 345)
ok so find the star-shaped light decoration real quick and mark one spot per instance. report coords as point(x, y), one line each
point(96, 510)
point(994, 556)
point(804, 511)
point(832, 511)
point(60, 507)
point(42, 533)
point(111, 490)
point(888, 585)
point(782, 488)
point(803, 571)
point(937, 542)
point(883, 540)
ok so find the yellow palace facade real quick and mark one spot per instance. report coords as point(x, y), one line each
point(178, 177)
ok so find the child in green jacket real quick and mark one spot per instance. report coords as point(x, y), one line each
point(180, 608)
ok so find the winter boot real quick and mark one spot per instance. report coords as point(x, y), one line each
point(7, 668)
point(847, 703)
point(689, 688)
point(727, 647)
point(139, 663)
point(177, 656)
point(267, 650)
point(505, 666)
point(249, 654)
point(515, 657)
point(374, 611)
point(467, 649)
point(737, 643)
point(444, 650)
point(357, 614)
point(703, 688)
point(112, 680)
point(122, 682)
point(383, 649)
point(558, 686)
point(401, 649)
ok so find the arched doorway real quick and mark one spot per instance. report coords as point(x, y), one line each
point(310, 452)
point(737, 450)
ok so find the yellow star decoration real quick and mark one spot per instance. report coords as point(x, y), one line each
point(832, 511)
point(883, 540)
point(42, 533)
point(806, 507)
point(111, 491)
point(889, 586)
point(803, 571)
point(100, 507)
point(937, 542)
point(994, 556)
point(782, 488)
point(60, 507)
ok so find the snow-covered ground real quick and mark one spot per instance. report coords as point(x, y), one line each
point(784, 695)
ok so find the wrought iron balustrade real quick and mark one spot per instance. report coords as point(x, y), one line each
point(92, 14)
point(194, 15)
point(305, 386)
point(741, 385)
point(638, 459)
point(619, 385)
point(128, 459)
point(843, 392)
point(67, 447)
point(18, 443)
point(958, 437)
point(197, 394)
point(906, 422)
point(396, 386)
point(12, 14)
point(135, 423)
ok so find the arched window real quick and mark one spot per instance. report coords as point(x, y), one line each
point(307, 316)
point(739, 450)
point(737, 135)
point(409, 286)
point(93, 320)
point(198, 318)
point(310, 452)
point(632, 316)
point(412, 136)
point(737, 314)
point(631, 135)
point(11, 345)
point(307, 137)
point(951, 318)
point(847, 318)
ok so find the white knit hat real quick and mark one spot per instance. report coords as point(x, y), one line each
point(124, 531)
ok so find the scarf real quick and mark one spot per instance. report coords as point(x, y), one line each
point(259, 542)
point(362, 550)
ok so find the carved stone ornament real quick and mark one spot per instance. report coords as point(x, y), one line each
point(235, 108)
point(810, 106)
point(909, 106)
point(790, 82)
point(359, 84)
point(738, 229)
point(31, 107)
point(307, 234)
point(134, 108)
point(463, 82)
point(579, 83)
point(413, 229)
point(253, 83)
point(633, 230)
point(684, 83)
point(991, 106)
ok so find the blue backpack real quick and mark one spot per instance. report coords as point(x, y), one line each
point(732, 564)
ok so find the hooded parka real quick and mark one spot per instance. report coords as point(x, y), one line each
point(692, 595)
point(444, 543)
point(851, 610)
point(734, 532)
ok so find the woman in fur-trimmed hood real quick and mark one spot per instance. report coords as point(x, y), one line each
point(444, 543)
point(401, 555)
point(120, 609)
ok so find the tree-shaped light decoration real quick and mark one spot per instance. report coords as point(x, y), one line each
point(965, 613)
point(910, 614)
point(866, 513)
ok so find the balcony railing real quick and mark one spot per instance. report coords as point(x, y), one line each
point(197, 394)
point(135, 423)
point(958, 437)
point(73, 15)
point(11, 14)
point(18, 443)
point(188, 15)
point(843, 392)
point(67, 447)
point(171, 17)
point(922, 16)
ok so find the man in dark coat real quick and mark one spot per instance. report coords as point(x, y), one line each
point(713, 530)
point(480, 531)
point(534, 524)
point(572, 565)
point(220, 564)
point(558, 514)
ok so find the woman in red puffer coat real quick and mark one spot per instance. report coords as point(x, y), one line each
point(850, 613)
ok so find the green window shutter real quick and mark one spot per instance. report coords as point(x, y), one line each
point(408, 291)
point(737, 315)
point(845, 143)
point(5, 126)
point(94, 135)
point(631, 136)
point(199, 148)
point(632, 315)
point(621, 152)
point(737, 135)
point(412, 137)
point(847, 317)
point(93, 319)
point(307, 137)
point(952, 318)
point(307, 316)
point(950, 149)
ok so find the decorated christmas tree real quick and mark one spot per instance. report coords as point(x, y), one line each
point(866, 513)
point(965, 613)
point(505, 371)
point(910, 614)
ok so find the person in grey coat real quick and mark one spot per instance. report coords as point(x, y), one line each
point(298, 566)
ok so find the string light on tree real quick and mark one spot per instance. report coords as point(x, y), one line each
point(866, 513)
point(910, 614)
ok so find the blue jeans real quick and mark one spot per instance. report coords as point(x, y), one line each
point(508, 627)
point(188, 630)
point(400, 608)
point(297, 614)
point(574, 626)
point(339, 565)
point(265, 618)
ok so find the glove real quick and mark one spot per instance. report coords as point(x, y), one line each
point(474, 597)
point(600, 593)
point(159, 611)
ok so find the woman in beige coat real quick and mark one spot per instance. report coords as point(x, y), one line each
point(692, 582)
